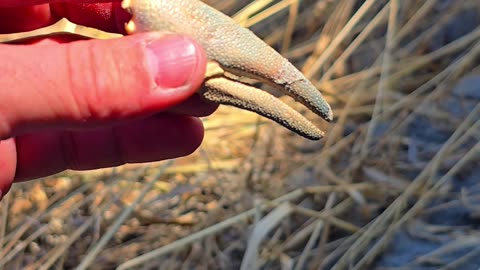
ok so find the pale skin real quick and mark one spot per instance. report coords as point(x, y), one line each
point(63, 104)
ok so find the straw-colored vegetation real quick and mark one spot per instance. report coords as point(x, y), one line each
point(397, 172)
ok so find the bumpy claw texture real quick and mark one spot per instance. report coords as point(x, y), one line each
point(239, 52)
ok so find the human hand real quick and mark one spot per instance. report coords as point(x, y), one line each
point(70, 104)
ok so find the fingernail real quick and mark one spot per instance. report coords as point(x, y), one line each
point(172, 60)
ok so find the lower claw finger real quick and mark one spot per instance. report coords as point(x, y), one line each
point(224, 91)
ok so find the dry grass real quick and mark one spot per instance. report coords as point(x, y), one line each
point(257, 197)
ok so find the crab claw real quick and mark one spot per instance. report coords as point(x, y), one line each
point(237, 51)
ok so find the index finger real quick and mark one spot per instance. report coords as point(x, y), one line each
point(17, 16)
point(24, 3)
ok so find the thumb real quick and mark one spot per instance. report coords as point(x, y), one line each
point(83, 83)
